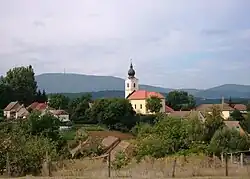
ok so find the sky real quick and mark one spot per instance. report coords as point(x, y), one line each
point(172, 43)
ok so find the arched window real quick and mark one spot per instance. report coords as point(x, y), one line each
point(127, 85)
point(134, 85)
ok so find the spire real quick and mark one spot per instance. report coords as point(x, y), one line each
point(131, 71)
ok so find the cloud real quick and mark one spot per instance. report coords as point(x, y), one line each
point(169, 41)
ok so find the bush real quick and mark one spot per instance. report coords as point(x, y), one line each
point(120, 161)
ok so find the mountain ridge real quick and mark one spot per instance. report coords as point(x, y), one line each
point(78, 83)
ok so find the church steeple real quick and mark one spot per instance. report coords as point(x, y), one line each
point(131, 71)
point(131, 83)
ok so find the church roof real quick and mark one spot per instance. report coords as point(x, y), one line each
point(143, 94)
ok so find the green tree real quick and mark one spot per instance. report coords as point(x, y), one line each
point(237, 115)
point(22, 81)
point(6, 95)
point(167, 136)
point(214, 121)
point(245, 124)
point(180, 100)
point(226, 140)
point(78, 108)
point(59, 101)
point(153, 104)
point(115, 113)
point(44, 96)
point(248, 106)
point(45, 125)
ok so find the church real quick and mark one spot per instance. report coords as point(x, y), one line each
point(138, 97)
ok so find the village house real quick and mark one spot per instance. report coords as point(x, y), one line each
point(15, 110)
point(62, 115)
point(236, 126)
point(138, 98)
point(241, 107)
point(225, 108)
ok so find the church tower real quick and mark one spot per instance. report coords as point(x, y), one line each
point(131, 83)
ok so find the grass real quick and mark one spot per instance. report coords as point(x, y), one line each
point(191, 167)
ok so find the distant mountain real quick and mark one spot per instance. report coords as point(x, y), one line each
point(77, 83)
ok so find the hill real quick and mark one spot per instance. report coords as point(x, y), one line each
point(78, 83)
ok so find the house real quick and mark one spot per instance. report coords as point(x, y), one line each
point(138, 98)
point(168, 109)
point(241, 107)
point(187, 114)
point(41, 107)
point(235, 125)
point(225, 108)
point(15, 110)
point(62, 115)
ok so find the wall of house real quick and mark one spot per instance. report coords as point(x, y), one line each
point(140, 106)
point(63, 118)
point(131, 85)
point(225, 114)
point(7, 114)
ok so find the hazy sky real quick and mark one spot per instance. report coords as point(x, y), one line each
point(173, 43)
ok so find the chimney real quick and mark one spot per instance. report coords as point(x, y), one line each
point(222, 102)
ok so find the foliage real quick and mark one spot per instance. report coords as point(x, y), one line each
point(180, 100)
point(141, 129)
point(58, 101)
point(45, 125)
point(153, 104)
point(245, 124)
point(214, 121)
point(6, 95)
point(226, 140)
point(78, 108)
point(237, 115)
point(22, 82)
point(248, 106)
point(167, 136)
point(120, 161)
point(116, 114)
point(41, 97)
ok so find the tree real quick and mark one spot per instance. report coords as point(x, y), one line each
point(245, 124)
point(180, 100)
point(59, 101)
point(237, 115)
point(22, 81)
point(214, 121)
point(6, 95)
point(116, 113)
point(153, 104)
point(226, 140)
point(78, 108)
point(44, 97)
point(248, 106)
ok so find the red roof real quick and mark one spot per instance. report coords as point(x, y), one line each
point(168, 109)
point(240, 107)
point(143, 94)
point(38, 106)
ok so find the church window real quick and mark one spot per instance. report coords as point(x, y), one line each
point(135, 106)
point(141, 106)
point(134, 85)
point(127, 85)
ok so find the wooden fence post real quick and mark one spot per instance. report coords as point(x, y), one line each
point(174, 165)
point(226, 163)
point(241, 159)
point(109, 163)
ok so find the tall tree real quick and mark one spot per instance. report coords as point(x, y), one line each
point(22, 81)
point(153, 104)
point(214, 121)
point(44, 96)
point(180, 100)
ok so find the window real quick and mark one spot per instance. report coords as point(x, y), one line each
point(134, 85)
point(127, 85)
point(141, 106)
point(135, 106)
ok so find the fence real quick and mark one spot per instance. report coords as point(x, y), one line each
point(233, 165)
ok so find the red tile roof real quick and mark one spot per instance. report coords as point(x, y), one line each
point(38, 106)
point(168, 109)
point(240, 107)
point(143, 94)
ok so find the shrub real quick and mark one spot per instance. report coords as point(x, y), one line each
point(120, 160)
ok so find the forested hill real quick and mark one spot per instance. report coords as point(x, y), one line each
point(77, 83)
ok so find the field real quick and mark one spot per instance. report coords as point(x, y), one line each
point(186, 167)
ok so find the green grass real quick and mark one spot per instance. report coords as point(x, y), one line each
point(70, 134)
